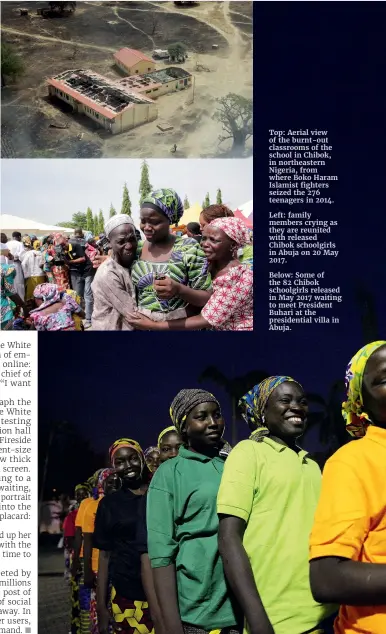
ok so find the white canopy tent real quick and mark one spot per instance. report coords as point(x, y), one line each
point(9, 223)
point(247, 209)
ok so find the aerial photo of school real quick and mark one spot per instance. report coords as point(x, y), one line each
point(126, 79)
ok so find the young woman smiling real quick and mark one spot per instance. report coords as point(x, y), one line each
point(267, 499)
point(182, 523)
point(115, 537)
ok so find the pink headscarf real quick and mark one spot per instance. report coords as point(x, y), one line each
point(234, 228)
point(59, 238)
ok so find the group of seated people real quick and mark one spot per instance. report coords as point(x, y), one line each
point(35, 288)
point(195, 537)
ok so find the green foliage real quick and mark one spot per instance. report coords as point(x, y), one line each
point(177, 52)
point(236, 115)
point(67, 225)
point(219, 197)
point(126, 202)
point(101, 222)
point(89, 220)
point(79, 220)
point(95, 226)
point(112, 211)
point(206, 202)
point(145, 186)
point(186, 202)
point(11, 63)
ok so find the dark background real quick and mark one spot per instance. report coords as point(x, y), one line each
point(317, 64)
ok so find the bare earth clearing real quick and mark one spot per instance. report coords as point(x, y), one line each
point(88, 39)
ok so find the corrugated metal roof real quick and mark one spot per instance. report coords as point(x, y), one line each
point(130, 57)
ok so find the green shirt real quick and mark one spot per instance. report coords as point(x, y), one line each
point(182, 527)
point(276, 491)
point(246, 256)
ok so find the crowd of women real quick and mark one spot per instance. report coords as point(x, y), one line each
point(193, 537)
point(36, 291)
point(165, 282)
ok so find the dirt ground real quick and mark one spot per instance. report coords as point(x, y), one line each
point(88, 40)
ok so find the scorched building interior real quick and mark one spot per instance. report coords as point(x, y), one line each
point(112, 105)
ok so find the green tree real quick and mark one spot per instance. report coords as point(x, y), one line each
point(95, 226)
point(89, 220)
point(11, 63)
point(219, 197)
point(79, 220)
point(177, 52)
point(236, 115)
point(101, 222)
point(145, 186)
point(186, 202)
point(126, 202)
point(112, 211)
point(206, 202)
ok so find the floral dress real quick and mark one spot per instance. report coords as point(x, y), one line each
point(231, 305)
point(8, 274)
point(62, 320)
point(187, 265)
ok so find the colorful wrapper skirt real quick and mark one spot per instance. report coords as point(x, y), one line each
point(93, 610)
point(75, 607)
point(130, 617)
point(84, 603)
point(31, 283)
point(190, 629)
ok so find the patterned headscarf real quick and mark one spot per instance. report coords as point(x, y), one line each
point(36, 245)
point(185, 401)
point(117, 221)
point(84, 485)
point(126, 442)
point(234, 228)
point(49, 293)
point(165, 431)
point(26, 240)
point(59, 239)
point(93, 482)
point(147, 453)
point(357, 421)
point(150, 450)
point(168, 202)
point(104, 474)
point(253, 403)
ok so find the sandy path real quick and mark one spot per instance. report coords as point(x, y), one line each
point(35, 36)
point(247, 17)
point(115, 11)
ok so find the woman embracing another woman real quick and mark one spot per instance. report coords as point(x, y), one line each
point(230, 307)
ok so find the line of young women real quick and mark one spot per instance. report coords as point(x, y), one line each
point(202, 539)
